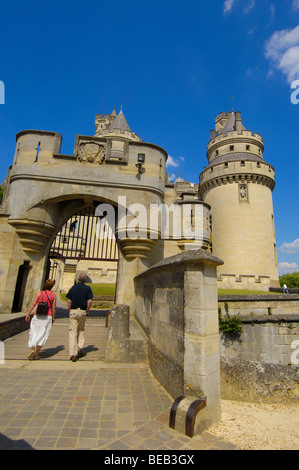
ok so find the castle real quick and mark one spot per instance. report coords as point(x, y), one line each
point(50, 204)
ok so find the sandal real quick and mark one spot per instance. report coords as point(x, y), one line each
point(31, 355)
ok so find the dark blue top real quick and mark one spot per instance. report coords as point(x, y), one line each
point(79, 294)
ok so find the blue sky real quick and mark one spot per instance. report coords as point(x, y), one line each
point(169, 63)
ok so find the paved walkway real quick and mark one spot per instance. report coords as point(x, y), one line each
point(54, 403)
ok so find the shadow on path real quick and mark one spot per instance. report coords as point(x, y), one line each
point(9, 444)
point(62, 312)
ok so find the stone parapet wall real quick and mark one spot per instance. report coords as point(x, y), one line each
point(270, 328)
point(262, 363)
point(176, 305)
point(243, 282)
point(12, 326)
point(256, 306)
point(265, 342)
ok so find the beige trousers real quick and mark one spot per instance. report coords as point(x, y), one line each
point(76, 331)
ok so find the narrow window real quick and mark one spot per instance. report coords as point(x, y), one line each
point(37, 152)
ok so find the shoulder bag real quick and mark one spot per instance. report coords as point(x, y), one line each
point(43, 307)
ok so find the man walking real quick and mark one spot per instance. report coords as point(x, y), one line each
point(285, 289)
point(79, 303)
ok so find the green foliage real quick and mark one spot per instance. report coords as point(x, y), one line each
point(229, 324)
point(291, 280)
point(1, 193)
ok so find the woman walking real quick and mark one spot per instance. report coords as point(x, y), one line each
point(40, 325)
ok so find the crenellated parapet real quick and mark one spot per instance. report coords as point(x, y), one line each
point(237, 172)
point(231, 137)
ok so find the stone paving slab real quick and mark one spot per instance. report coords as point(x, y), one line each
point(56, 348)
point(55, 404)
point(109, 408)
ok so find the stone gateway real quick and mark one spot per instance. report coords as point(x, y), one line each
point(170, 244)
point(44, 189)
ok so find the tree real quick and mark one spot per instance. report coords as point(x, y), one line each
point(291, 280)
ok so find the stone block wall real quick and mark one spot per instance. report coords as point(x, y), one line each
point(262, 363)
point(261, 306)
point(176, 305)
point(270, 342)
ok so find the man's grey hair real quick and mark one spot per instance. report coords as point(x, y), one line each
point(82, 278)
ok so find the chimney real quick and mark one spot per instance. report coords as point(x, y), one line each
point(238, 122)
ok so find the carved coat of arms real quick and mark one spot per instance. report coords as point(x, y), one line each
point(91, 152)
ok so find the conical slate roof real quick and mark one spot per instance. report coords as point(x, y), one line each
point(120, 123)
point(231, 125)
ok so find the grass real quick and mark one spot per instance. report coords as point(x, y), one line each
point(102, 289)
point(244, 292)
point(97, 289)
point(109, 289)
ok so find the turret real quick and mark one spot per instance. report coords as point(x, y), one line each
point(36, 146)
point(112, 125)
point(238, 185)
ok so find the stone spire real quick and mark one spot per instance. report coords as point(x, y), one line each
point(119, 122)
point(114, 125)
point(229, 122)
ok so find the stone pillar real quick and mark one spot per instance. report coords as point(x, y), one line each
point(201, 340)
point(121, 347)
point(69, 274)
point(134, 258)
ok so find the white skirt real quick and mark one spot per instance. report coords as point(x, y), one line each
point(40, 328)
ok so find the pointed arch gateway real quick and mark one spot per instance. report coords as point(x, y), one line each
point(85, 243)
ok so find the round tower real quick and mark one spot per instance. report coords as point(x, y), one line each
point(238, 185)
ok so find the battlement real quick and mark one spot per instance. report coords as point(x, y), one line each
point(35, 145)
point(245, 134)
point(250, 171)
point(119, 132)
point(116, 153)
point(230, 137)
point(230, 131)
